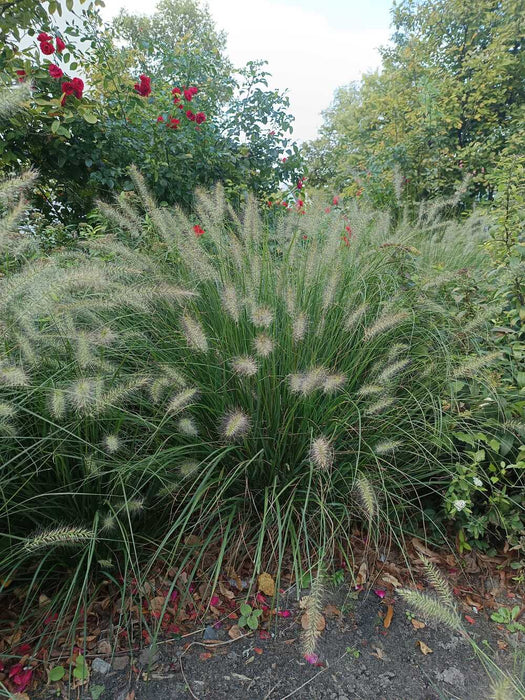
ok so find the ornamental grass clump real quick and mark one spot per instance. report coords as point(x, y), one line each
point(258, 391)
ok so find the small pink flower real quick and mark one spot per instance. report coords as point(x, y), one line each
point(380, 592)
point(284, 613)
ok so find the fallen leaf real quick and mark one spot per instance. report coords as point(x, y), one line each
point(424, 648)
point(474, 603)
point(378, 653)
point(502, 645)
point(156, 604)
point(417, 624)
point(130, 695)
point(388, 617)
point(388, 578)
point(104, 647)
point(266, 584)
point(226, 591)
point(423, 549)
point(205, 655)
point(332, 611)
point(305, 622)
point(258, 650)
point(235, 632)
point(362, 574)
point(470, 619)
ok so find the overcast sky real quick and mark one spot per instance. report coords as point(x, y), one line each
point(312, 46)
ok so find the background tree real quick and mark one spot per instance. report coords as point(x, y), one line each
point(447, 100)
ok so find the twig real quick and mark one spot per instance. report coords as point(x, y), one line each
point(186, 680)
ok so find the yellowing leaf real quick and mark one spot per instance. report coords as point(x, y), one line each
point(417, 624)
point(388, 617)
point(388, 578)
point(362, 574)
point(424, 648)
point(266, 584)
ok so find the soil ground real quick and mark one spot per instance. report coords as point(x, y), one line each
point(358, 660)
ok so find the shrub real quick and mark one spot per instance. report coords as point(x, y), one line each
point(227, 392)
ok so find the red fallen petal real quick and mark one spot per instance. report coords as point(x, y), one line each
point(14, 670)
point(264, 634)
point(470, 619)
point(380, 592)
point(22, 680)
point(311, 658)
point(215, 600)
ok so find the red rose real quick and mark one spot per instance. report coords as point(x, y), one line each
point(21, 75)
point(284, 160)
point(190, 92)
point(55, 71)
point(160, 118)
point(47, 48)
point(67, 88)
point(198, 231)
point(200, 117)
point(144, 87)
point(176, 91)
point(190, 115)
point(335, 200)
point(60, 45)
point(300, 185)
point(78, 87)
point(44, 37)
point(173, 123)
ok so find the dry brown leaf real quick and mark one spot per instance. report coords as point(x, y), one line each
point(332, 611)
point(502, 645)
point(156, 604)
point(305, 621)
point(474, 603)
point(226, 591)
point(423, 549)
point(362, 574)
point(192, 540)
point(235, 632)
point(388, 617)
point(378, 653)
point(266, 584)
point(424, 648)
point(417, 624)
point(130, 695)
point(388, 578)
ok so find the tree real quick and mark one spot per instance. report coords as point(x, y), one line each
point(445, 103)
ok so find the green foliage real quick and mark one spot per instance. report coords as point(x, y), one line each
point(508, 617)
point(444, 107)
point(252, 382)
point(249, 617)
point(488, 492)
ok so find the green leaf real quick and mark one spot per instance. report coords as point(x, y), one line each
point(257, 613)
point(97, 690)
point(69, 5)
point(246, 609)
point(253, 622)
point(81, 670)
point(90, 118)
point(242, 621)
point(55, 126)
point(57, 673)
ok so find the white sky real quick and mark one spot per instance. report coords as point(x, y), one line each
point(311, 48)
